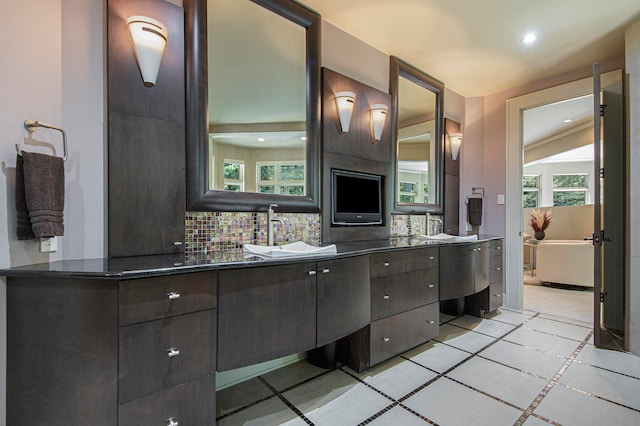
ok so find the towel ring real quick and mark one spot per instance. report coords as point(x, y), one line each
point(31, 126)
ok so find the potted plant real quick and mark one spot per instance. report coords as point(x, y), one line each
point(539, 221)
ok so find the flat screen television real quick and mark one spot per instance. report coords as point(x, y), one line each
point(356, 198)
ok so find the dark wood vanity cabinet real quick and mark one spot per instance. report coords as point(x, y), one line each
point(404, 307)
point(489, 298)
point(111, 351)
point(464, 269)
point(272, 311)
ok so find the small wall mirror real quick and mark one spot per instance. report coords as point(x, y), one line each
point(417, 127)
point(258, 121)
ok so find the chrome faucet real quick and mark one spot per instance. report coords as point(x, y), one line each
point(270, 221)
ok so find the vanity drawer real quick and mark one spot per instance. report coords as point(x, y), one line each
point(189, 404)
point(160, 354)
point(399, 333)
point(495, 269)
point(160, 297)
point(398, 262)
point(495, 247)
point(402, 292)
point(495, 296)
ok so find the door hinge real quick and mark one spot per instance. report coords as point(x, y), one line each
point(602, 295)
point(602, 173)
point(602, 109)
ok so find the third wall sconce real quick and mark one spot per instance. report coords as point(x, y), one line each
point(345, 102)
point(378, 118)
point(149, 40)
point(455, 139)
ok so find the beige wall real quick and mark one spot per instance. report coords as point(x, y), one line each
point(632, 48)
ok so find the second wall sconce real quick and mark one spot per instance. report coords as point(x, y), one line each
point(345, 102)
point(455, 139)
point(149, 40)
point(378, 118)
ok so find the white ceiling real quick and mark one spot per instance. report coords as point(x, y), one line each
point(475, 47)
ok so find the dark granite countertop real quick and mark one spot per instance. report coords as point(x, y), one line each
point(168, 264)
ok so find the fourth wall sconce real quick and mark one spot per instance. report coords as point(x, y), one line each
point(149, 40)
point(455, 139)
point(378, 118)
point(345, 102)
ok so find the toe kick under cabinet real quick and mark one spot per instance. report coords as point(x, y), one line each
point(404, 307)
point(112, 351)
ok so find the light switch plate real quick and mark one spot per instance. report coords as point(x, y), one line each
point(500, 198)
point(48, 245)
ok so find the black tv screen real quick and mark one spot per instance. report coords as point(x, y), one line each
point(356, 198)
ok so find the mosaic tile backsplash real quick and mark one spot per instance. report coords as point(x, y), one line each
point(410, 225)
point(229, 231)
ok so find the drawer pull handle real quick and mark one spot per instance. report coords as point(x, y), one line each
point(498, 248)
point(386, 297)
point(474, 249)
point(177, 243)
point(497, 295)
point(385, 264)
point(498, 269)
point(172, 422)
point(173, 295)
point(432, 285)
point(386, 339)
point(312, 272)
point(479, 248)
point(431, 322)
point(171, 352)
point(431, 257)
point(326, 271)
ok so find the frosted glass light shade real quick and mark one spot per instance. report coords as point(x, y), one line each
point(345, 102)
point(455, 139)
point(378, 117)
point(149, 39)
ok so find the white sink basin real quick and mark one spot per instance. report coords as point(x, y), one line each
point(297, 249)
point(447, 237)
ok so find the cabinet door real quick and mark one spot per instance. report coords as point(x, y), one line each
point(343, 298)
point(495, 296)
point(457, 271)
point(265, 313)
point(495, 269)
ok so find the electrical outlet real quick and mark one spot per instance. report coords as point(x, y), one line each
point(48, 245)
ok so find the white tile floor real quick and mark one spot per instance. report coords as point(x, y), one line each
point(514, 368)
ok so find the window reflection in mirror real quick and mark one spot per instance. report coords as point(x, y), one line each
point(257, 100)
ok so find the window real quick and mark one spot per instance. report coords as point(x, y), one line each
point(530, 190)
point(570, 190)
point(407, 192)
point(233, 175)
point(282, 177)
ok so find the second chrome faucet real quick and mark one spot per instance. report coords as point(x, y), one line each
point(270, 221)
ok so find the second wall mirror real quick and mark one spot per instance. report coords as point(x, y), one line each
point(417, 135)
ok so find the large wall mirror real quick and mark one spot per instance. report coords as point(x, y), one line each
point(417, 134)
point(253, 105)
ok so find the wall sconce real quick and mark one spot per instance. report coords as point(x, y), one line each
point(455, 139)
point(378, 117)
point(149, 40)
point(345, 102)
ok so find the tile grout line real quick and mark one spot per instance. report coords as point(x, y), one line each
point(288, 403)
point(543, 393)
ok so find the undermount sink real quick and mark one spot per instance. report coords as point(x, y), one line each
point(447, 237)
point(297, 249)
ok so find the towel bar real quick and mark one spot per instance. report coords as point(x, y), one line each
point(31, 125)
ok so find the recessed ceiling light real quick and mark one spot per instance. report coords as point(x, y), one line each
point(568, 120)
point(260, 139)
point(529, 38)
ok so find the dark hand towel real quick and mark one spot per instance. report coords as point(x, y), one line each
point(22, 213)
point(474, 208)
point(42, 183)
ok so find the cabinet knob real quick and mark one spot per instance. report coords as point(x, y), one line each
point(479, 248)
point(497, 295)
point(431, 257)
point(498, 248)
point(474, 249)
point(498, 269)
point(386, 297)
point(172, 422)
point(431, 322)
point(432, 285)
point(312, 272)
point(171, 352)
point(326, 271)
point(386, 339)
point(385, 264)
point(173, 295)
